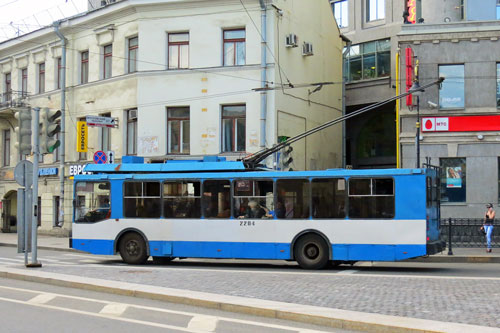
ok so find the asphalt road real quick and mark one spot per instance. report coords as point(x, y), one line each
point(33, 307)
point(466, 293)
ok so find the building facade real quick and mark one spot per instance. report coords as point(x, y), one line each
point(454, 39)
point(182, 80)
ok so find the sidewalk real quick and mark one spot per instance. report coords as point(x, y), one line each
point(375, 302)
point(460, 254)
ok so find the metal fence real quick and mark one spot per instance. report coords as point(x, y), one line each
point(466, 233)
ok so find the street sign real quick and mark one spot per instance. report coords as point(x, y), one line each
point(100, 157)
point(99, 121)
point(23, 173)
point(82, 133)
point(111, 156)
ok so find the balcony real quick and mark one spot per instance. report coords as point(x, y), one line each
point(13, 99)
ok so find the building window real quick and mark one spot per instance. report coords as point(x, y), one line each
point(6, 148)
point(178, 50)
point(133, 49)
point(453, 179)
point(340, 12)
point(105, 135)
point(234, 47)
point(375, 10)
point(451, 91)
point(369, 60)
point(41, 78)
point(178, 130)
point(82, 155)
point(233, 128)
point(132, 132)
point(84, 67)
point(107, 61)
point(24, 82)
point(8, 87)
point(498, 9)
point(59, 73)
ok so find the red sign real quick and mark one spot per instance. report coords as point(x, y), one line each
point(412, 10)
point(461, 124)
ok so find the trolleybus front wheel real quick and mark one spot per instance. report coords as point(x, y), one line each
point(311, 252)
point(133, 249)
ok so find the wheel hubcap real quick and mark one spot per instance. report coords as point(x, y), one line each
point(132, 248)
point(311, 251)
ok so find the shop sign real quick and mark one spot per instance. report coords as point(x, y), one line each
point(48, 171)
point(461, 124)
point(77, 169)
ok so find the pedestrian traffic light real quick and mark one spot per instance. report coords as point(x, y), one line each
point(50, 127)
point(286, 158)
point(23, 130)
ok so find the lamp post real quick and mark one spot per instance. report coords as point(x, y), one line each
point(417, 91)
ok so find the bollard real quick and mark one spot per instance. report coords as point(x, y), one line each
point(450, 251)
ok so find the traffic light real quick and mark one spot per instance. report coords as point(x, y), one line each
point(50, 127)
point(23, 130)
point(286, 158)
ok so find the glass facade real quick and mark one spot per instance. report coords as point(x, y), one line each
point(452, 91)
point(369, 60)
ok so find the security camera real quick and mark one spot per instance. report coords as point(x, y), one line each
point(432, 105)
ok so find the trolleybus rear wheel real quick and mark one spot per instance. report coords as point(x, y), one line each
point(311, 252)
point(133, 249)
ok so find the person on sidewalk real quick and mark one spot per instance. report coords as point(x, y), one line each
point(488, 225)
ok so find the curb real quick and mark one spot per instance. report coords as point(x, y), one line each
point(457, 259)
point(329, 317)
point(49, 248)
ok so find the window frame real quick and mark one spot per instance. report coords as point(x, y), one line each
point(234, 41)
point(234, 130)
point(447, 83)
point(134, 49)
point(8, 87)
point(105, 135)
point(131, 122)
point(41, 77)
point(79, 200)
point(341, 7)
point(371, 195)
point(180, 121)
point(253, 196)
point(378, 4)
point(24, 82)
point(107, 62)
point(59, 72)
point(182, 182)
point(6, 138)
point(178, 46)
point(159, 197)
point(357, 52)
point(84, 67)
point(345, 196)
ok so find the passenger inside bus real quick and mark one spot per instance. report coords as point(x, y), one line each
point(254, 210)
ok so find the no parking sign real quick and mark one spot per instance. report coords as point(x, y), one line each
point(100, 157)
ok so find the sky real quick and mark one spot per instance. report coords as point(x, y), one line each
point(22, 16)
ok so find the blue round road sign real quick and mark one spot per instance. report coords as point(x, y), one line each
point(100, 157)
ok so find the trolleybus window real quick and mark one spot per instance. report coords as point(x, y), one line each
point(142, 199)
point(371, 198)
point(293, 198)
point(182, 199)
point(216, 194)
point(328, 198)
point(92, 204)
point(253, 198)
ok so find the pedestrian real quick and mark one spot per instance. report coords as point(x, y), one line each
point(488, 225)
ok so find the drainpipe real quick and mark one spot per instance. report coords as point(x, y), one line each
point(263, 73)
point(63, 123)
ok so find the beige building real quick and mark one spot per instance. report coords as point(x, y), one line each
point(180, 78)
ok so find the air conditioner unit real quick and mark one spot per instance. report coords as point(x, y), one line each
point(291, 40)
point(132, 114)
point(307, 49)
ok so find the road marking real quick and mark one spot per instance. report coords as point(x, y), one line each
point(42, 299)
point(114, 309)
point(348, 271)
point(203, 323)
point(149, 308)
point(9, 259)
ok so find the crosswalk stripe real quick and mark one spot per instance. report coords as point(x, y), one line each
point(114, 309)
point(203, 323)
point(42, 299)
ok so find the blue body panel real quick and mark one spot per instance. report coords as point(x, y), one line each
point(277, 251)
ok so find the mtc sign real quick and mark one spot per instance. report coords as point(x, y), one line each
point(82, 136)
point(461, 124)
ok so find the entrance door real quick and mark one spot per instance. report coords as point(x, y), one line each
point(6, 217)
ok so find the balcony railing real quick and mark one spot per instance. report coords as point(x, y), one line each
point(13, 98)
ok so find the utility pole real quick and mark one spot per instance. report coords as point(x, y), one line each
point(34, 213)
